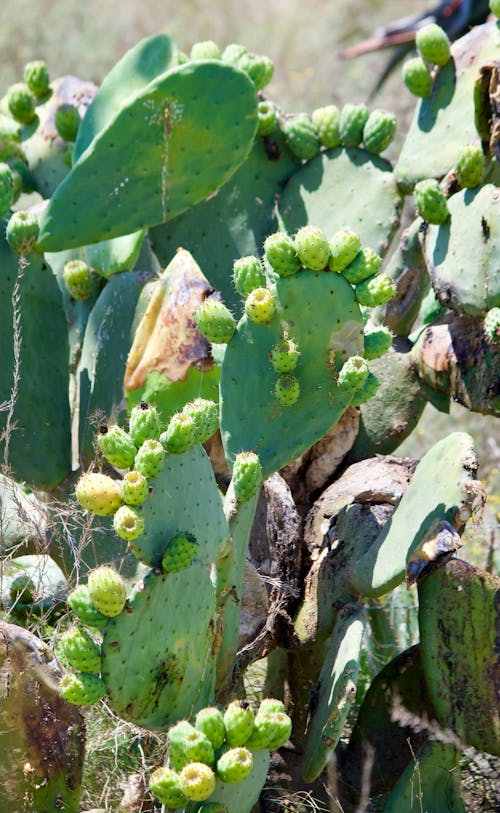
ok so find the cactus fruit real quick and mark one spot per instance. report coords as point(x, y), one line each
point(22, 232)
point(433, 43)
point(82, 607)
point(179, 553)
point(207, 49)
point(197, 781)
point(287, 390)
point(80, 651)
point(491, 325)
point(344, 247)
point(353, 118)
point(430, 201)
point(78, 279)
point(280, 253)
point(312, 247)
point(300, 136)
point(353, 374)
point(210, 721)
point(37, 78)
point(376, 290)
point(239, 722)
point(82, 689)
point(379, 131)
point(195, 746)
point(272, 729)
point(98, 493)
point(205, 415)
point(260, 68)
point(144, 423)
point(248, 274)
point(266, 112)
point(377, 342)
point(6, 189)
point(235, 765)
point(271, 705)
point(134, 488)
point(107, 591)
point(260, 306)
point(365, 264)
point(67, 121)
point(179, 435)
point(150, 458)
point(116, 445)
point(284, 356)
point(215, 321)
point(247, 476)
point(367, 391)
point(176, 737)
point(128, 523)
point(21, 103)
point(470, 166)
point(417, 77)
point(164, 783)
point(326, 121)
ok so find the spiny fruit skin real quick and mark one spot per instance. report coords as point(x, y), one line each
point(207, 49)
point(491, 325)
point(313, 248)
point(284, 356)
point(367, 391)
point(287, 390)
point(471, 165)
point(247, 476)
point(259, 68)
point(353, 118)
point(150, 458)
point(107, 591)
point(235, 765)
point(128, 523)
point(180, 434)
point(196, 746)
point(21, 103)
point(300, 136)
point(259, 306)
point(272, 730)
point(6, 189)
point(205, 414)
point(176, 738)
point(248, 274)
point(233, 52)
point(266, 113)
point(210, 721)
point(379, 131)
point(280, 253)
point(80, 651)
point(239, 722)
point(271, 704)
point(417, 77)
point(326, 122)
point(376, 290)
point(197, 781)
point(144, 423)
point(78, 279)
point(67, 122)
point(135, 488)
point(82, 607)
point(377, 342)
point(430, 201)
point(366, 263)
point(353, 374)
point(37, 78)
point(22, 232)
point(98, 493)
point(215, 321)
point(164, 783)
point(344, 246)
point(82, 689)
point(117, 446)
point(179, 553)
point(433, 43)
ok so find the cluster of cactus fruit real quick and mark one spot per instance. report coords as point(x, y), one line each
point(294, 321)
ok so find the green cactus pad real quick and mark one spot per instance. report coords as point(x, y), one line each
point(241, 797)
point(160, 177)
point(435, 768)
point(116, 255)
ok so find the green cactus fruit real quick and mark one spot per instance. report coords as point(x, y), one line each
point(353, 118)
point(266, 113)
point(233, 53)
point(353, 374)
point(117, 446)
point(150, 458)
point(495, 7)
point(197, 781)
point(210, 721)
point(259, 68)
point(377, 342)
point(128, 523)
point(375, 291)
point(215, 321)
point(367, 391)
point(313, 248)
point(144, 423)
point(248, 274)
point(205, 414)
point(205, 50)
point(344, 246)
point(280, 253)
point(82, 689)
point(284, 356)
point(80, 651)
point(37, 78)
point(235, 765)
point(179, 553)
point(260, 306)
point(176, 757)
point(135, 488)
point(282, 728)
point(430, 201)
point(107, 591)
point(98, 493)
point(22, 232)
point(193, 743)
point(247, 476)
point(6, 189)
point(239, 722)
point(263, 733)
point(470, 166)
point(365, 264)
point(67, 121)
point(379, 131)
point(300, 136)
point(326, 122)
point(164, 783)
point(271, 705)
point(179, 435)
point(287, 390)
point(78, 279)
point(176, 737)
point(21, 103)
point(82, 607)
point(417, 77)
point(433, 43)
point(491, 325)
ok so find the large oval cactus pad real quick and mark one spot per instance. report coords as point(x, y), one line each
point(431, 782)
point(242, 796)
